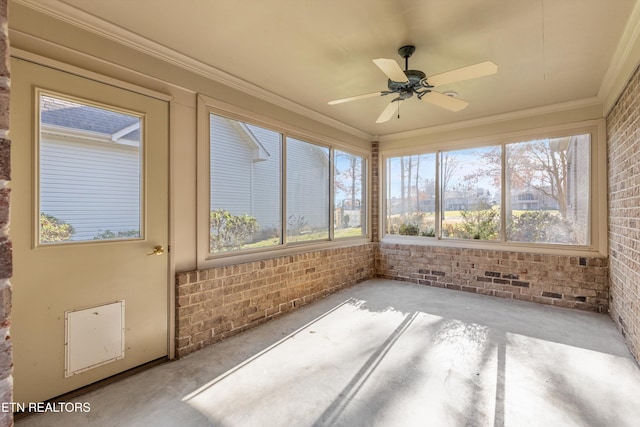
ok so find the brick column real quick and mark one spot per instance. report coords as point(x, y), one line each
point(6, 359)
point(375, 192)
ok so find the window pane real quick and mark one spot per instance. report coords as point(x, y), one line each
point(348, 186)
point(245, 186)
point(411, 195)
point(89, 172)
point(307, 191)
point(470, 191)
point(548, 190)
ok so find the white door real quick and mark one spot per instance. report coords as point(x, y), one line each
point(89, 203)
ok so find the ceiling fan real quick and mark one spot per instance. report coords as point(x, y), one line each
point(409, 82)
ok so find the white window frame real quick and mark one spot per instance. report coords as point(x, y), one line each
point(207, 106)
point(598, 245)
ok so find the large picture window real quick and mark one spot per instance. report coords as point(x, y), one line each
point(535, 191)
point(269, 190)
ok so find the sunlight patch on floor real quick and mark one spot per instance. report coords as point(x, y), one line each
point(572, 385)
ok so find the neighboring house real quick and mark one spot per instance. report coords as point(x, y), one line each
point(250, 167)
point(454, 200)
point(458, 200)
point(89, 168)
point(531, 199)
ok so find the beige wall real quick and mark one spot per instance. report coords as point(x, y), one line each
point(497, 127)
point(33, 33)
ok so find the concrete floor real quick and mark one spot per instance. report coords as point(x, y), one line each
point(387, 353)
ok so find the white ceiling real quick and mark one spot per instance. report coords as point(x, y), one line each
point(313, 51)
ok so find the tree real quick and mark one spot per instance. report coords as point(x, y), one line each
point(540, 165)
point(349, 179)
point(53, 229)
point(448, 165)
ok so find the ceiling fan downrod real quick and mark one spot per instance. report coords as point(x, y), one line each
point(406, 52)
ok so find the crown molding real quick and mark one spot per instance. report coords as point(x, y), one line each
point(93, 24)
point(514, 115)
point(624, 62)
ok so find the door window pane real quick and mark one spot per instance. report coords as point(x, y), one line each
point(548, 190)
point(411, 195)
point(349, 216)
point(245, 186)
point(471, 192)
point(307, 191)
point(89, 172)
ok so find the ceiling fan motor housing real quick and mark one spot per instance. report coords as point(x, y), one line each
point(417, 79)
point(407, 89)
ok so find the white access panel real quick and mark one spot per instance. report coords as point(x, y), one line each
point(93, 336)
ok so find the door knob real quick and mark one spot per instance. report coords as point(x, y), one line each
point(157, 250)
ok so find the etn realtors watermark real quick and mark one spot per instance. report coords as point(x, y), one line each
point(33, 407)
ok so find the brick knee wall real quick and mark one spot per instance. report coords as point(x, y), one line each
point(565, 281)
point(216, 303)
point(6, 263)
point(623, 153)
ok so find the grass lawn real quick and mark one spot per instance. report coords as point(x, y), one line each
point(320, 235)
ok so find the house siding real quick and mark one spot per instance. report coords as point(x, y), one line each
point(308, 184)
point(230, 158)
point(266, 180)
point(93, 186)
point(623, 153)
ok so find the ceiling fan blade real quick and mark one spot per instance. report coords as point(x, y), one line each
point(444, 101)
point(388, 112)
point(355, 98)
point(391, 69)
point(465, 73)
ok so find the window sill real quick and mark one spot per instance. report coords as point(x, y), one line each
point(545, 249)
point(232, 258)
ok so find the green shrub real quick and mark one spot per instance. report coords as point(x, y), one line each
point(409, 230)
point(123, 234)
point(481, 223)
point(422, 221)
point(54, 230)
point(229, 231)
point(540, 227)
point(297, 224)
point(429, 233)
